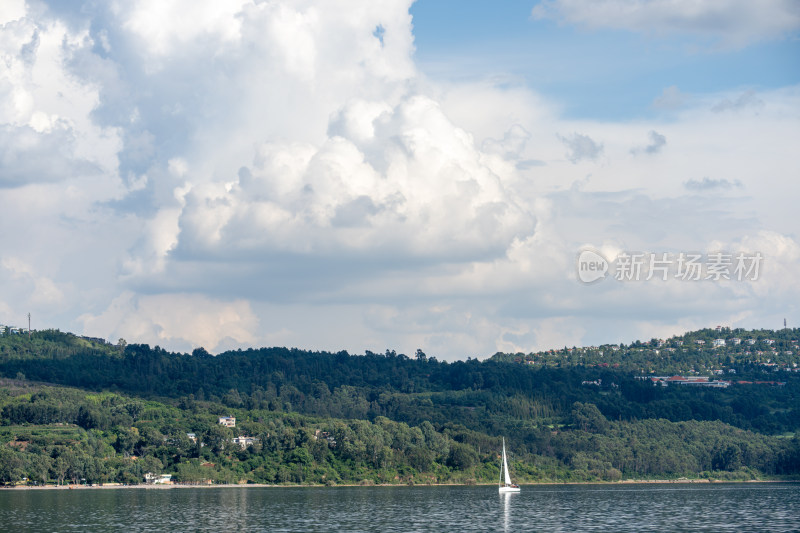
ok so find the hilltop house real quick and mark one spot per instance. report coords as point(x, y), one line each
point(244, 442)
point(228, 421)
point(319, 434)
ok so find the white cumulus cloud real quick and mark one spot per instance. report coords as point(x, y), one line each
point(244, 173)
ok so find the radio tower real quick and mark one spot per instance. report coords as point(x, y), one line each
point(29, 325)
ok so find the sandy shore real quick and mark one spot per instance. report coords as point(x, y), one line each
point(160, 486)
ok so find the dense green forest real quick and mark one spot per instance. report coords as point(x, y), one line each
point(74, 408)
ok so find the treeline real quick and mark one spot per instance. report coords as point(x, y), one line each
point(320, 417)
point(743, 351)
point(58, 435)
point(491, 397)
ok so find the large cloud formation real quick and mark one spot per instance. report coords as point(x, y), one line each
point(241, 173)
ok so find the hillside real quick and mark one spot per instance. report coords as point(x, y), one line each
point(707, 350)
point(387, 417)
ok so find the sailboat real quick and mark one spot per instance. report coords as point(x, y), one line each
point(505, 478)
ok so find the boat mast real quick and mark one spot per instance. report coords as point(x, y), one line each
point(500, 482)
point(504, 466)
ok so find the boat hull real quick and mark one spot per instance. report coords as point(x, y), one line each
point(508, 489)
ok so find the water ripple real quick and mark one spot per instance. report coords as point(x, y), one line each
point(607, 508)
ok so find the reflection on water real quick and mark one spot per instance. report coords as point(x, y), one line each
point(608, 508)
point(506, 498)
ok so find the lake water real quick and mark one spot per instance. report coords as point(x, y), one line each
point(608, 508)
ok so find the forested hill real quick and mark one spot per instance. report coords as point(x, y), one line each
point(707, 350)
point(408, 418)
point(492, 395)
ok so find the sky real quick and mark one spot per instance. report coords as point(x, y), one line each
point(457, 177)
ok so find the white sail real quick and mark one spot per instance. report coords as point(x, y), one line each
point(505, 464)
point(505, 477)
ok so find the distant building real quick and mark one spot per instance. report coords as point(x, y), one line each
point(697, 381)
point(244, 442)
point(319, 434)
point(98, 340)
point(228, 421)
point(719, 343)
point(156, 479)
point(736, 341)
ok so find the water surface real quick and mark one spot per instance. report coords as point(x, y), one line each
point(610, 508)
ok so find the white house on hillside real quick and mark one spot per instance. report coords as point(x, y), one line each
point(228, 421)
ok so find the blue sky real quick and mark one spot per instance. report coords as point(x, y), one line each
point(599, 73)
point(367, 175)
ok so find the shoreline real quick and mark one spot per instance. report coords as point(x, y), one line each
point(168, 486)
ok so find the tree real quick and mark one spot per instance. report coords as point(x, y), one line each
point(191, 472)
point(588, 417)
point(217, 437)
point(232, 398)
point(39, 467)
point(60, 468)
point(200, 352)
point(461, 456)
point(75, 465)
point(301, 456)
point(421, 459)
point(727, 458)
point(11, 465)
